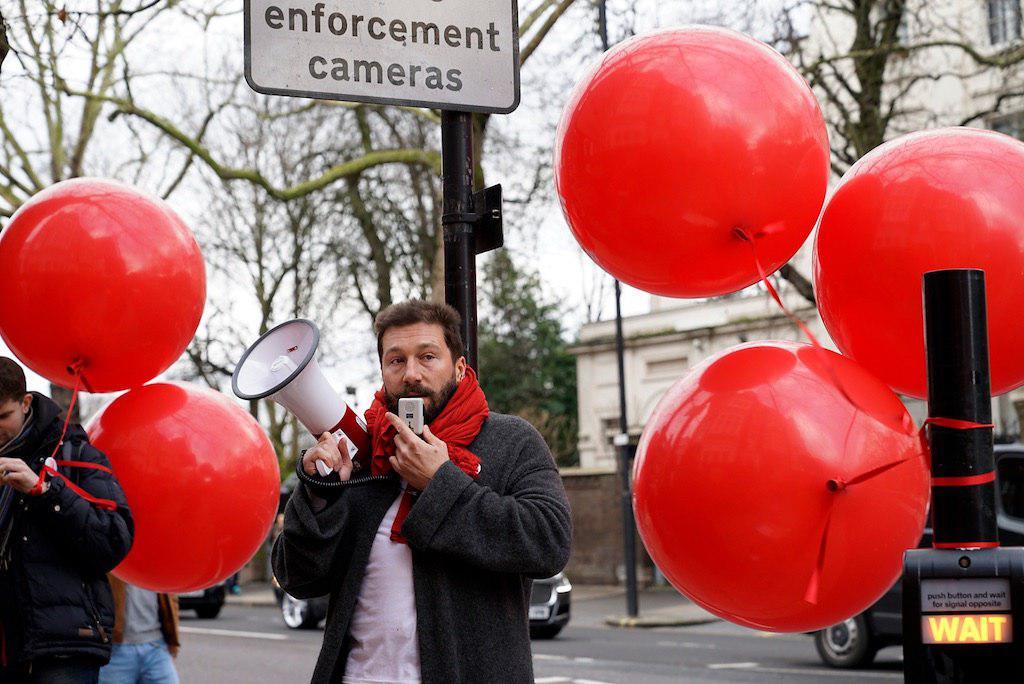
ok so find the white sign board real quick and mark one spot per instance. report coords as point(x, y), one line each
point(449, 54)
point(965, 595)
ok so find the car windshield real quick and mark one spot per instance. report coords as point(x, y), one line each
point(1011, 486)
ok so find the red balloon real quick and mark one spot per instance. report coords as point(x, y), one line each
point(99, 273)
point(202, 482)
point(732, 493)
point(948, 198)
point(677, 138)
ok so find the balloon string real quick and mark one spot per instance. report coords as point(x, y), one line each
point(744, 235)
point(814, 583)
point(76, 369)
point(952, 424)
point(48, 470)
point(751, 238)
point(837, 484)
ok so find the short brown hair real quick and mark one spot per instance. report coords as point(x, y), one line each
point(418, 311)
point(12, 380)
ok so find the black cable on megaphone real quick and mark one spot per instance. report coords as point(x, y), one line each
point(282, 365)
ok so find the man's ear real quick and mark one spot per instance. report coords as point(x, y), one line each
point(26, 402)
point(460, 369)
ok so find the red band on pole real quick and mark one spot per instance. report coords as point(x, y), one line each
point(955, 424)
point(966, 481)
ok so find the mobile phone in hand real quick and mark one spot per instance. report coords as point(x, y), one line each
point(411, 411)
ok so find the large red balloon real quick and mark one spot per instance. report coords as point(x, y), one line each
point(949, 198)
point(201, 479)
point(732, 493)
point(96, 272)
point(677, 138)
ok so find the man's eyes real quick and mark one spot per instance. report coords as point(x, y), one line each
point(426, 357)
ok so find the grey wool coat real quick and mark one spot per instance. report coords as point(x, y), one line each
point(476, 544)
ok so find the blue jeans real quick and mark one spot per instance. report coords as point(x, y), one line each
point(139, 664)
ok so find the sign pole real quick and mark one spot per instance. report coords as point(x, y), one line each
point(626, 451)
point(458, 219)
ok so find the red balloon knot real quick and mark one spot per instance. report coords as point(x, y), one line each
point(836, 485)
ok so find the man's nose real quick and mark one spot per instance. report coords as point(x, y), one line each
point(413, 373)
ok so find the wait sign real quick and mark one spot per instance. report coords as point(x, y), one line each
point(450, 54)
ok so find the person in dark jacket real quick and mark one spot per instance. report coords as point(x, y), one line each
point(427, 546)
point(56, 546)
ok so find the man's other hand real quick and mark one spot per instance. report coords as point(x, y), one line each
point(332, 453)
point(416, 459)
point(17, 474)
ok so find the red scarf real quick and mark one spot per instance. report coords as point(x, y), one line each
point(457, 426)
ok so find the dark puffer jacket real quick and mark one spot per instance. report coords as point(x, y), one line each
point(54, 596)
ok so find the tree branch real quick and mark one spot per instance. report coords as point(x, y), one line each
point(801, 284)
point(1000, 60)
point(543, 31)
point(338, 172)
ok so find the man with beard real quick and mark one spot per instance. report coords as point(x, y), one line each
point(59, 537)
point(428, 544)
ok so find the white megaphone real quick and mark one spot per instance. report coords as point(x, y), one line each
point(281, 365)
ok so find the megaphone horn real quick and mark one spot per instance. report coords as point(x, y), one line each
point(281, 365)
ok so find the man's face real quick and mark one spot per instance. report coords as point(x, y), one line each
point(12, 417)
point(417, 363)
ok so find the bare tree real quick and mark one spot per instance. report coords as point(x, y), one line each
point(47, 135)
point(882, 68)
point(389, 183)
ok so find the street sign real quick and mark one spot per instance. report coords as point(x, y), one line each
point(450, 54)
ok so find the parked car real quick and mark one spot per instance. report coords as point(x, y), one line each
point(550, 601)
point(300, 613)
point(206, 602)
point(855, 641)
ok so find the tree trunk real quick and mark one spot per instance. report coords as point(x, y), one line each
point(4, 45)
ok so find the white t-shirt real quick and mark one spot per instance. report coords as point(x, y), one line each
point(384, 645)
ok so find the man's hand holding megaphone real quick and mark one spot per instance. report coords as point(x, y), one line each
point(331, 453)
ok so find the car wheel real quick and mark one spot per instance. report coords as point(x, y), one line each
point(847, 644)
point(545, 632)
point(208, 612)
point(299, 614)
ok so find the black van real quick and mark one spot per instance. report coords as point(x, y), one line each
point(854, 642)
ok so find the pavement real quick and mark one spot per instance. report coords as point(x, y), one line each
point(592, 605)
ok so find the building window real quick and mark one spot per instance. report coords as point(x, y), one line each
point(1010, 124)
point(1004, 21)
point(609, 428)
